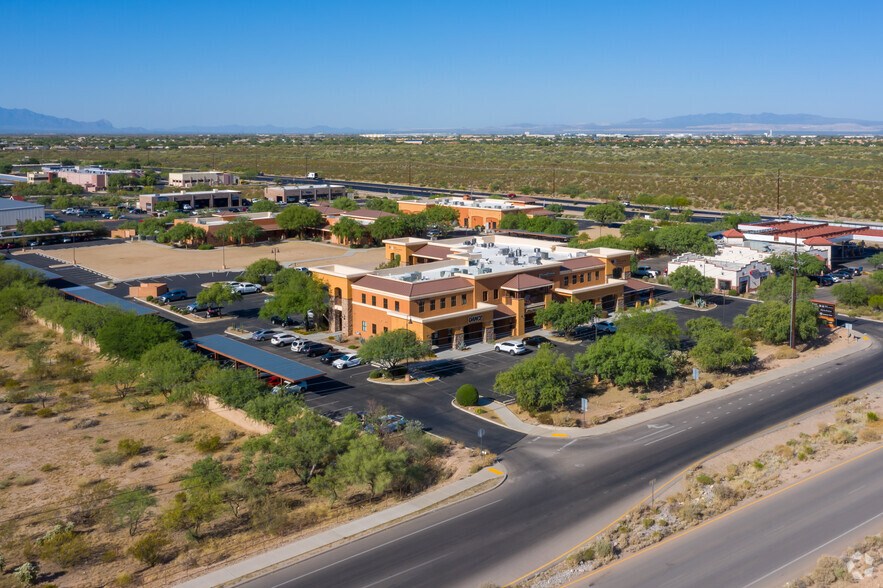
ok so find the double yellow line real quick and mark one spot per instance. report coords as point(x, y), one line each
point(681, 473)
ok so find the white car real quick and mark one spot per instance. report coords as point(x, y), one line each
point(246, 288)
point(297, 346)
point(281, 339)
point(511, 347)
point(346, 361)
point(289, 388)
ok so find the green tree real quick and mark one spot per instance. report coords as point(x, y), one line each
point(566, 316)
point(170, 206)
point(349, 230)
point(169, 369)
point(35, 227)
point(684, 237)
point(298, 219)
point(684, 216)
point(218, 294)
point(627, 359)
point(388, 227)
point(393, 347)
point(295, 292)
point(182, 232)
point(690, 280)
point(147, 550)
point(850, 293)
point(876, 260)
point(37, 356)
point(260, 271)
point(661, 214)
point(541, 382)
point(384, 204)
point(772, 321)
point(263, 205)
point(239, 230)
point(807, 264)
point(122, 375)
point(344, 203)
point(779, 288)
point(130, 506)
point(606, 213)
point(128, 336)
point(660, 326)
point(368, 462)
point(719, 349)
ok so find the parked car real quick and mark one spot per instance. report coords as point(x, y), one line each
point(537, 340)
point(290, 388)
point(212, 312)
point(172, 295)
point(283, 322)
point(644, 271)
point(582, 332)
point(195, 307)
point(833, 278)
point(388, 423)
point(263, 334)
point(313, 349)
point(246, 288)
point(605, 327)
point(299, 344)
point(280, 339)
point(822, 280)
point(843, 274)
point(511, 347)
point(349, 360)
point(331, 357)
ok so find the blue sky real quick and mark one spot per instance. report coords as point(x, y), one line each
point(386, 65)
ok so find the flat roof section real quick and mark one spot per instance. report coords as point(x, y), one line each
point(258, 359)
point(47, 275)
point(99, 298)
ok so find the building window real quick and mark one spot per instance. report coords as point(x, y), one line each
point(496, 293)
point(385, 303)
point(597, 274)
point(441, 302)
point(724, 285)
point(374, 301)
point(582, 278)
point(385, 329)
point(453, 301)
point(397, 305)
point(421, 304)
point(363, 299)
point(373, 329)
point(566, 281)
point(364, 326)
point(484, 296)
point(432, 305)
point(463, 300)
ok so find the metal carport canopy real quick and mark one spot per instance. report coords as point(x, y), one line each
point(99, 298)
point(47, 275)
point(258, 359)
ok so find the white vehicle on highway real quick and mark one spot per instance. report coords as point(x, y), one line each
point(284, 339)
point(511, 347)
point(245, 288)
point(346, 361)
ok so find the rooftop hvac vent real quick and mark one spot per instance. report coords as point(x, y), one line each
point(533, 259)
point(536, 249)
point(486, 270)
point(544, 255)
point(581, 253)
point(412, 277)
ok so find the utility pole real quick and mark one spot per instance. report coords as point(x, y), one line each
point(794, 295)
point(305, 165)
point(778, 181)
point(409, 170)
point(553, 182)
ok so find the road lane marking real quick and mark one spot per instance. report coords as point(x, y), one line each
point(653, 433)
point(559, 434)
point(495, 471)
point(734, 511)
point(396, 540)
point(666, 437)
point(566, 445)
point(411, 569)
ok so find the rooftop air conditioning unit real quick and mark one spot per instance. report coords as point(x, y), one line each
point(536, 249)
point(544, 255)
point(486, 270)
point(581, 253)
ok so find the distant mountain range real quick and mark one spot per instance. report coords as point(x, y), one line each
point(22, 121)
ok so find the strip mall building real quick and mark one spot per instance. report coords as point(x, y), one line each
point(478, 213)
point(454, 291)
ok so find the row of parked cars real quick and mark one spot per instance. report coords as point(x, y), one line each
point(326, 353)
point(845, 273)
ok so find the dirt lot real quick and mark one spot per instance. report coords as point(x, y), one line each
point(125, 261)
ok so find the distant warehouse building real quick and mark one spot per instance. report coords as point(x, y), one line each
point(204, 199)
point(212, 178)
point(304, 193)
point(91, 178)
point(12, 211)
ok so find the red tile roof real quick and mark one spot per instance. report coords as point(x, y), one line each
point(733, 233)
point(367, 213)
point(638, 285)
point(581, 263)
point(869, 233)
point(329, 210)
point(539, 212)
point(525, 282)
point(816, 241)
point(412, 289)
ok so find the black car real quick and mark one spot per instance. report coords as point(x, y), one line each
point(843, 274)
point(331, 356)
point(582, 332)
point(314, 349)
point(823, 280)
point(283, 322)
point(537, 340)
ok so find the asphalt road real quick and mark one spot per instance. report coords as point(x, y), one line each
point(561, 491)
point(769, 542)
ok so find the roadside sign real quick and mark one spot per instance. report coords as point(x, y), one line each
point(695, 373)
point(827, 311)
point(848, 326)
point(480, 433)
point(584, 404)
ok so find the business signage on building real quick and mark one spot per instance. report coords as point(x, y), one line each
point(476, 318)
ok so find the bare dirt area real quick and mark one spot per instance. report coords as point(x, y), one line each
point(134, 259)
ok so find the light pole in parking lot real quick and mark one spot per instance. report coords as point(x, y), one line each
point(274, 251)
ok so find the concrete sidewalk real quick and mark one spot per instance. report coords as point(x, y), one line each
point(513, 422)
point(302, 547)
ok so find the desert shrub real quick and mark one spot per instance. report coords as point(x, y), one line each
point(130, 447)
point(376, 374)
point(25, 480)
point(733, 292)
point(868, 435)
point(269, 514)
point(784, 452)
point(872, 417)
point(843, 436)
point(26, 573)
point(603, 549)
point(581, 557)
point(545, 418)
point(182, 438)
point(786, 353)
point(18, 396)
point(45, 412)
point(85, 424)
point(647, 523)
point(63, 546)
point(757, 465)
point(205, 247)
point(124, 579)
point(705, 479)
point(110, 458)
point(208, 444)
point(148, 549)
point(48, 467)
point(27, 410)
point(828, 570)
point(467, 395)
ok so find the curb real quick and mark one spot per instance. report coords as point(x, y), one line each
point(305, 548)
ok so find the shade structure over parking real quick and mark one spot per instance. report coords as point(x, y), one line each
point(99, 298)
point(258, 359)
point(45, 274)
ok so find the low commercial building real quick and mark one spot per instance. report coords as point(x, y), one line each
point(212, 224)
point(12, 211)
point(202, 199)
point(732, 268)
point(304, 193)
point(91, 178)
point(454, 291)
point(477, 213)
point(363, 216)
point(212, 178)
